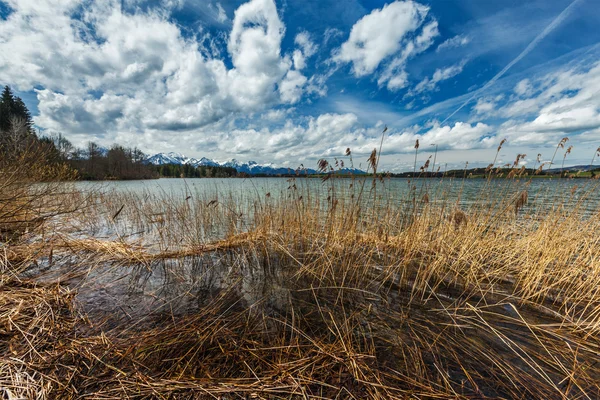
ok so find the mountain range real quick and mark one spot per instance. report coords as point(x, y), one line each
point(250, 167)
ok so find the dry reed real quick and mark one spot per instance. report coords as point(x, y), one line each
point(291, 295)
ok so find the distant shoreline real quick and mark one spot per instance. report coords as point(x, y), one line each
point(365, 175)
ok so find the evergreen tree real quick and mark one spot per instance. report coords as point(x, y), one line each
point(12, 108)
point(20, 111)
point(7, 105)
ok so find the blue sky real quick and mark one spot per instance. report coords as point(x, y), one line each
point(293, 81)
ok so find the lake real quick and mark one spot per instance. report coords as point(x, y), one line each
point(547, 192)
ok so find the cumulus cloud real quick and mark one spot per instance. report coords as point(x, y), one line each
point(548, 127)
point(304, 141)
point(539, 111)
point(291, 87)
point(276, 114)
point(255, 49)
point(294, 85)
point(381, 34)
point(396, 81)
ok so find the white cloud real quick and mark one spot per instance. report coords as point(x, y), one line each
point(291, 88)
point(306, 141)
point(219, 12)
point(177, 4)
point(456, 41)
point(440, 74)
point(548, 127)
point(559, 92)
point(329, 135)
point(306, 49)
point(299, 60)
point(524, 88)
point(591, 136)
point(484, 106)
point(316, 85)
point(331, 33)
point(47, 7)
point(573, 119)
point(276, 114)
point(294, 85)
point(461, 136)
point(394, 73)
point(519, 108)
point(380, 34)
point(563, 103)
point(255, 49)
point(397, 81)
point(305, 42)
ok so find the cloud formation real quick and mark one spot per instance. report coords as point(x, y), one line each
point(251, 84)
point(384, 33)
point(378, 35)
point(454, 42)
point(137, 72)
point(541, 111)
point(440, 74)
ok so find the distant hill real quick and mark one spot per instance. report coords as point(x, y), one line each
point(573, 168)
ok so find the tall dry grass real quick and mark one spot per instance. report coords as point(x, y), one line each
point(339, 291)
point(31, 189)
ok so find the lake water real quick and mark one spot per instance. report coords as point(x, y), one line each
point(546, 192)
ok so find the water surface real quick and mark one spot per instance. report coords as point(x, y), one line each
point(546, 192)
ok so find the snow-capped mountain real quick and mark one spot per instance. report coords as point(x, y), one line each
point(203, 162)
point(251, 167)
point(168, 158)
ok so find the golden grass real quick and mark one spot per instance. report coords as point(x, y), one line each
point(360, 295)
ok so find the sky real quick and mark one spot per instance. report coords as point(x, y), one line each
point(292, 81)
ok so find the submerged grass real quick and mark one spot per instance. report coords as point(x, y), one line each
point(340, 292)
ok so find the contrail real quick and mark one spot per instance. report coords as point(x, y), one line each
point(557, 21)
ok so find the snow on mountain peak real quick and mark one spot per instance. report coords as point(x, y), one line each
point(251, 167)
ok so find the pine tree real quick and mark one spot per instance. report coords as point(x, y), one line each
point(12, 108)
point(7, 105)
point(20, 111)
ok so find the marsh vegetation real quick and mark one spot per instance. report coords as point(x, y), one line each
point(337, 292)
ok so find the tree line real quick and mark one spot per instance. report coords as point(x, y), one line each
point(189, 171)
point(21, 145)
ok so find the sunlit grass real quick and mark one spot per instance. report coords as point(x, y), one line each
point(344, 291)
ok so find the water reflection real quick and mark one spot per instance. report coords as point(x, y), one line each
point(144, 293)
